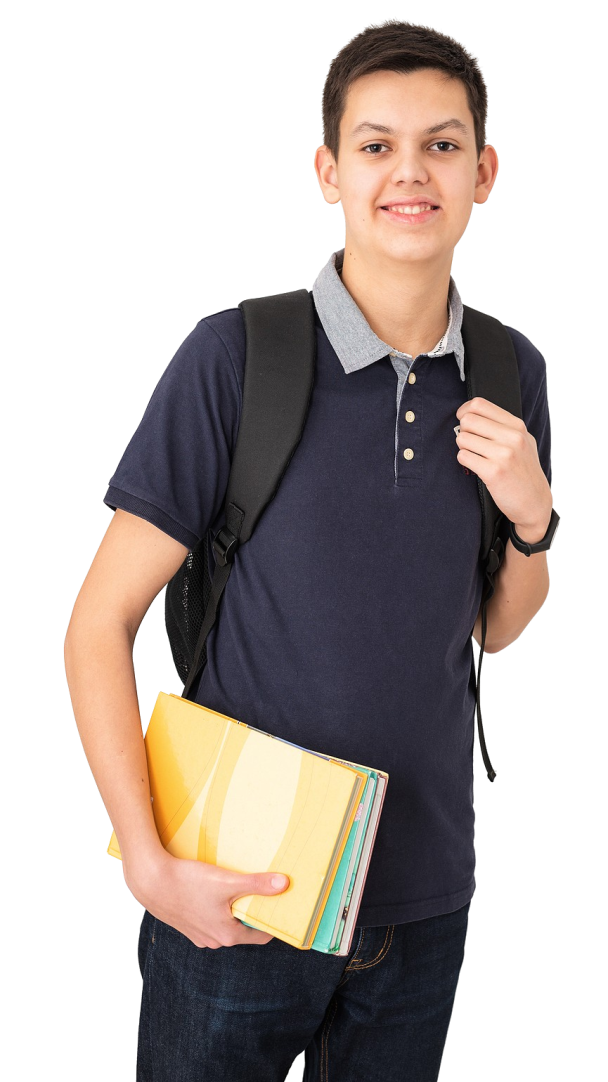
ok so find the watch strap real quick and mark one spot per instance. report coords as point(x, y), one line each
point(527, 547)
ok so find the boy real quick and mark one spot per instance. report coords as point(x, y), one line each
point(346, 625)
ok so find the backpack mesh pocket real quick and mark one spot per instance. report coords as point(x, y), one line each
point(186, 598)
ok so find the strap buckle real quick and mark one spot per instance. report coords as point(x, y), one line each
point(495, 557)
point(225, 545)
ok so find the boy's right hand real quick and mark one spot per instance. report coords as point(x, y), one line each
point(195, 898)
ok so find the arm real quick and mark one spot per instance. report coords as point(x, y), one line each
point(520, 589)
point(133, 563)
point(499, 448)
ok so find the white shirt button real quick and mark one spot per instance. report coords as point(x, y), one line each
point(410, 415)
point(411, 378)
point(408, 453)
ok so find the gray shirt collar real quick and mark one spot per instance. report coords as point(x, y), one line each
point(350, 334)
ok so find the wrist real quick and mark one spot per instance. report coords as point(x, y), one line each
point(533, 532)
point(142, 869)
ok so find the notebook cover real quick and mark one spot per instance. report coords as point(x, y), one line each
point(207, 770)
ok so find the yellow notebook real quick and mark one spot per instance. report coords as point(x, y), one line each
point(229, 794)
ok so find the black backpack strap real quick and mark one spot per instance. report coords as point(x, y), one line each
point(491, 371)
point(279, 375)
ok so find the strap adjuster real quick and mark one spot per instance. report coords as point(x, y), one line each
point(225, 545)
point(495, 557)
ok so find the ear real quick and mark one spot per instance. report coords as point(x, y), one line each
point(487, 168)
point(327, 174)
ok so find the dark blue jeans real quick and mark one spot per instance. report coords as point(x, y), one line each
point(244, 1013)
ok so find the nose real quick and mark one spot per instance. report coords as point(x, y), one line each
point(409, 166)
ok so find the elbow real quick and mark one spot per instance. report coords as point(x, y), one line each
point(494, 646)
point(498, 648)
point(90, 637)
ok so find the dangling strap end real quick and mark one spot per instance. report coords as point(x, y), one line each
point(484, 751)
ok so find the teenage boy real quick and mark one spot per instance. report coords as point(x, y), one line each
point(346, 625)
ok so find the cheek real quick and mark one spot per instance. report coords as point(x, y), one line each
point(462, 195)
point(460, 207)
point(359, 198)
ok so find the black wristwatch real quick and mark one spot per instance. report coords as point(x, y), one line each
point(539, 546)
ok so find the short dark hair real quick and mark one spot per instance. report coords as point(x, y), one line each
point(404, 47)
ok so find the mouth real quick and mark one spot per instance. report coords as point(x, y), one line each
point(411, 213)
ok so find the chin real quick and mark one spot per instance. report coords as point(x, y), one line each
point(415, 253)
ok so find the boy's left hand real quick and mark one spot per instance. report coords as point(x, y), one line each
point(497, 446)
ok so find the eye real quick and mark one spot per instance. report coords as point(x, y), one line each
point(444, 143)
point(370, 145)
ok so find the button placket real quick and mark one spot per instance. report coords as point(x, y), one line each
point(408, 460)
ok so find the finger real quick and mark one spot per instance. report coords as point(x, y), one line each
point(259, 937)
point(479, 445)
point(484, 408)
point(237, 930)
point(251, 935)
point(473, 462)
point(259, 883)
point(491, 429)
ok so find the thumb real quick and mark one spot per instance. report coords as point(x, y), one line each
point(278, 881)
point(264, 883)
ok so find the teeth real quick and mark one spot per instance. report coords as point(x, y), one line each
point(417, 208)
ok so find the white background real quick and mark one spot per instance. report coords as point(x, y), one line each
point(158, 168)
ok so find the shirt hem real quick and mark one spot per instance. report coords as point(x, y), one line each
point(373, 916)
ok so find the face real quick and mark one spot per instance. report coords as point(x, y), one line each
point(389, 154)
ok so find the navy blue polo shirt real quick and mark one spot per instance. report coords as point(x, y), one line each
point(346, 623)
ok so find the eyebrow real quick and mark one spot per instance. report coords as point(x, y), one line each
point(453, 122)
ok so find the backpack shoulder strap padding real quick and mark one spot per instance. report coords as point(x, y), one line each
point(279, 376)
point(491, 371)
point(280, 361)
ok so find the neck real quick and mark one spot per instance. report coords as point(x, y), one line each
point(406, 305)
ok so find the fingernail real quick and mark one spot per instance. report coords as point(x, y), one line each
point(279, 880)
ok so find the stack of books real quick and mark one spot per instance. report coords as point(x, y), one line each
point(232, 795)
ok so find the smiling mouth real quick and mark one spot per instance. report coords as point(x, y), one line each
point(411, 210)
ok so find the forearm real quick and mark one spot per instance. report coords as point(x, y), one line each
point(101, 680)
point(520, 589)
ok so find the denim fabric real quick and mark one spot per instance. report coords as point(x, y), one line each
point(244, 1013)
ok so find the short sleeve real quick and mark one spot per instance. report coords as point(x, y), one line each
point(534, 397)
point(174, 471)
